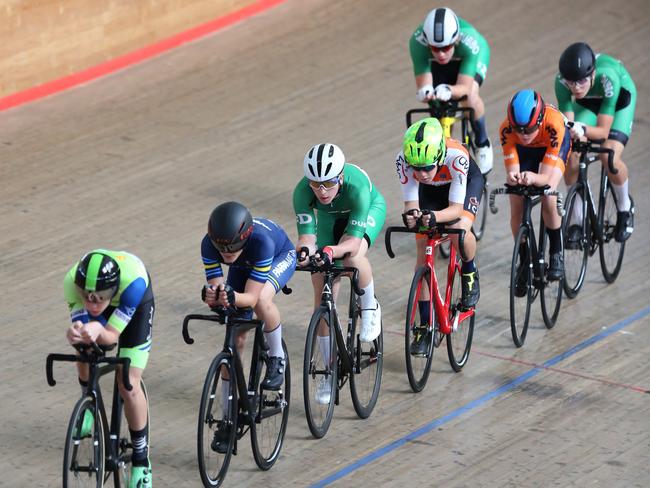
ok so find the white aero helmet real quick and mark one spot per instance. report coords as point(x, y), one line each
point(441, 27)
point(323, 162)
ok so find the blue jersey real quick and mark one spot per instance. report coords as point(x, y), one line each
point(267, 242)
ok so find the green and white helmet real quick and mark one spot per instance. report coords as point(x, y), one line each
point(424, 144)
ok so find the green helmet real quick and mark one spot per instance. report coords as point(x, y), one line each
point(424, 144)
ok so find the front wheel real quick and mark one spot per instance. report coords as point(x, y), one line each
point(83, 457)
point(419, 331)
point(217, 425)
point(267, 432)
point(367, 362)
point(521, 286)
point(551, 294)
point(576, 247)
point(122, 475)
point(611, 251)
point(459, 342)
point(319, 379)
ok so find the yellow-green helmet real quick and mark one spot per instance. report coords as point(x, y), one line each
point(424, 144)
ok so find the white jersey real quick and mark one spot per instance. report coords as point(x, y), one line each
point(453, 172)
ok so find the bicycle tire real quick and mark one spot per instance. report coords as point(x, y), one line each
point(551, 291)
point(478, 227)
point(418, 368)
point(90, 471)
point(518, 320)
point(271, 418)
point(368, 360)
point(611, 252)
point(122, 475)
point(213, 465)
point(459, 342)
point(319, 416)
point(575, 260)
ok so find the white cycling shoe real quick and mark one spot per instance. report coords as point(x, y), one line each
point(370, 324)
point(323, 391)
point(484, 157)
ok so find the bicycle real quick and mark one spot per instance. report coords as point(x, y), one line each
point(529, 267)
point(349, 358)
point(447, 317)
point(448, 114)
point(230, 409)
point(596, 228)
point(90, 458)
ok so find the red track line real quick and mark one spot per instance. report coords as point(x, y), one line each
point(121, 62)
point(563, 371)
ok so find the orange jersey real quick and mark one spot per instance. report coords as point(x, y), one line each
point(550, 136)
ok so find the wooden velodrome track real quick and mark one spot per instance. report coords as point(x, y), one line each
point(137, 161)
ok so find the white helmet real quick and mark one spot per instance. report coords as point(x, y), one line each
point(441, 27)
point(323, 162)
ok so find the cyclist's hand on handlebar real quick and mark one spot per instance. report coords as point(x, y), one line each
point(425, 93)
point(73, 334)
point(226, 295)
point(428, 218)
point(410, 217)
point(527, 178)
point(442, 93)
point(324, 256)
point(578, 130)
point(302, 256)
point(512, 178)
point(209, 295)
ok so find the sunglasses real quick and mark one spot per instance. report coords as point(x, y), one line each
point(431, 167)
point(527, 130)
point(442, 49)
point(578, 83)
point(326, 185)
point(98, 296)
point(228, 248)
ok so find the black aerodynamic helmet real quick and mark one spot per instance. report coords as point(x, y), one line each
point(577, 61)
point(230, 226)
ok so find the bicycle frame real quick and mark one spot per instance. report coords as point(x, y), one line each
point(436, 236)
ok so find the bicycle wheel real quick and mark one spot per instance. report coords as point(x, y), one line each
point(478, 227)
point(267, 432)
point(444, 249)
point(418, 366)
point(368, 360)
point(459, 342)
point(217, 426)
point(122, 474)
point(611, 252)
point(576, 253)
point(319, 374)
point(521, 289)
point(551, 292)
point(83, 457)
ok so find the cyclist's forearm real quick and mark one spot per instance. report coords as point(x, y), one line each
point(452, 212)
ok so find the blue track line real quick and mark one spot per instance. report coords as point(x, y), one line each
point(369, 458)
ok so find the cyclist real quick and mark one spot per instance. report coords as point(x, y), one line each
point(535, 145)
point(450, 60)
point(440, 183)
point(350, 212)
point(110, 300)
point(598, 94)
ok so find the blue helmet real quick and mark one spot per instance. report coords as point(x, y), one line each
point(526, 110)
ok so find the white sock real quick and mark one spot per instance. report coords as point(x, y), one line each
point(225, 396)
point(576, 214)
point(622, 197)
point(274, 340)
point(324, 347)
point(368, 298)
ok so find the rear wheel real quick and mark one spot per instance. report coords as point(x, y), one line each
point(576, 253)
point(478, 227)
point(217, 425)
point(611, 251)
point(418, 366)
point(319, 373)
point(459, 342)
point(367, 362)
point(267, 432)
point(521, 289)
point(551, 295)
point(83, 457)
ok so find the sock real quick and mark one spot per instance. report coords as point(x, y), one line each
point(84, 387)
point(622, 197)
point(423, 305)
point(576, 213)
point(225, 397)
point(368, 298)
point(555, 238)
point(140, 447)
point(468, 267)
point(324, 347)
point(480, 132)
point(274, 340)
